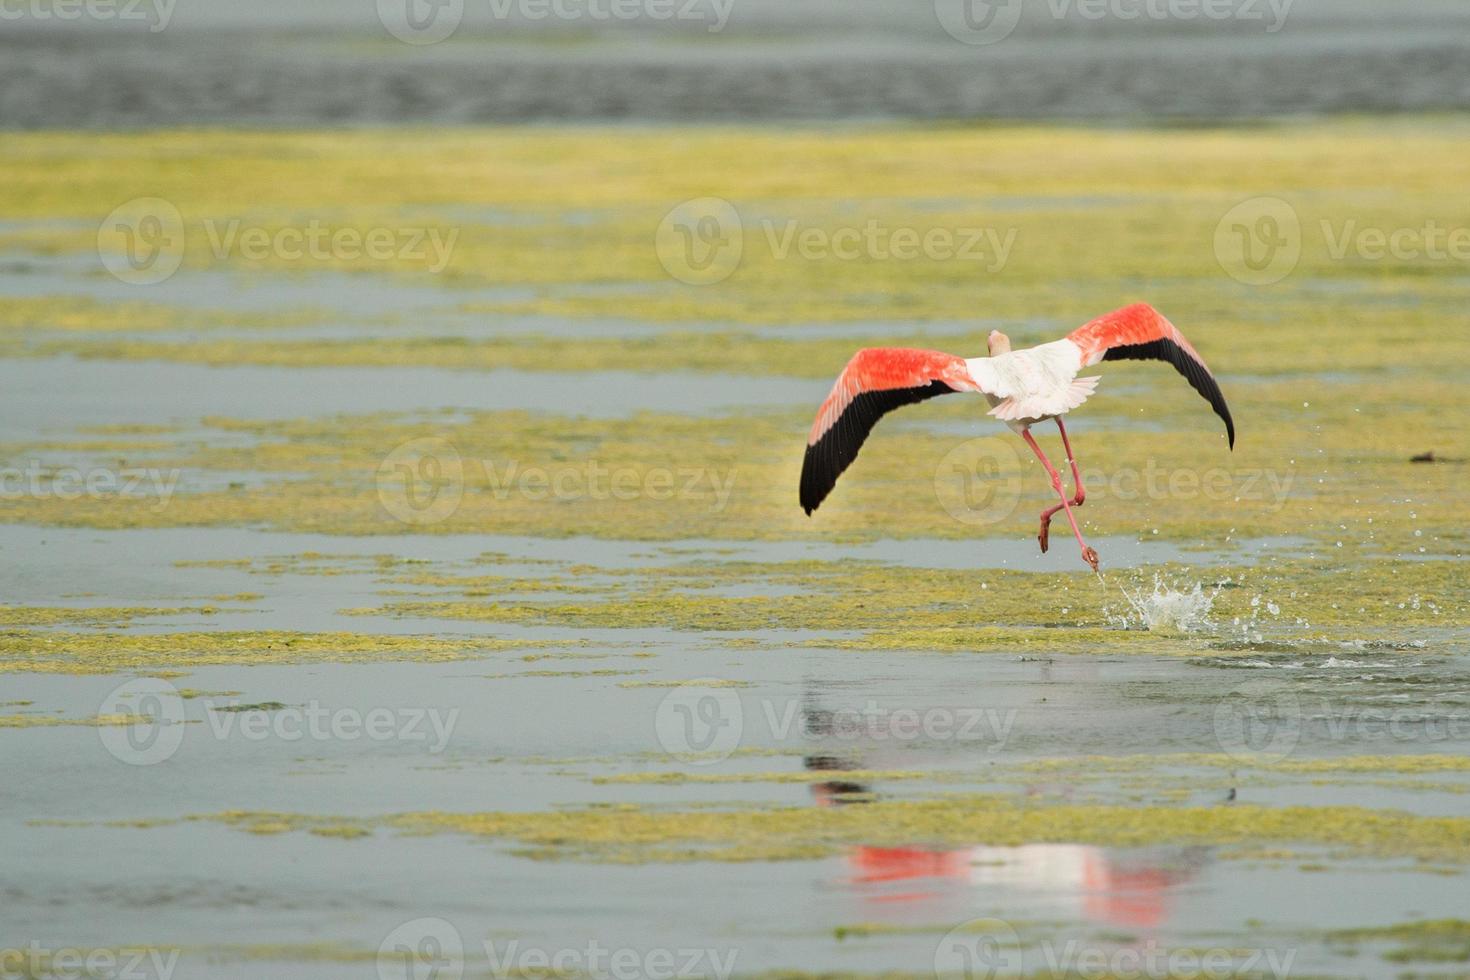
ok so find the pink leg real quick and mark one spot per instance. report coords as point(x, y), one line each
point(1088, 554)
point(1078, 498)
point(1081, 494)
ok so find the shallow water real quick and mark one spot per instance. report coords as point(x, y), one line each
point(36, 275)
point(149, 392)
point(61, 564)
point(1192, 711)
point(201, 884)
point(771, 60)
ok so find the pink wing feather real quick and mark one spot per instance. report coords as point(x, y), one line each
point(876, 381)
point(1140, 332)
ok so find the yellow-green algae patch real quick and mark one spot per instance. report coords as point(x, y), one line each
point(1168, 776)
point(1427, 941)
point(36, 316)
point(1406, 764)
point(858, 604)
point(1329, 473)
point(1391, 331)
point(94, 615)
point(609, 672)
point(101, 653)
point(310, 563)
point(51, 721)
point(711, 682)
point(785, 776)
point(1251, 343)
point(627, 833)
point(35, 962)
point(1182, 776)
point(1311, 365)
point(323, 952)
point(1144, 210)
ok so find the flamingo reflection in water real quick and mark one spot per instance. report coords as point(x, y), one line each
point(1132, 888)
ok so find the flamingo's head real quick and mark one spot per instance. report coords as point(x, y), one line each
point(999, 343)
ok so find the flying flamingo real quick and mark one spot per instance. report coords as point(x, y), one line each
point(1023, 387)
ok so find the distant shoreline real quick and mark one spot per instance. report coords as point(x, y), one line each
point(63, 77)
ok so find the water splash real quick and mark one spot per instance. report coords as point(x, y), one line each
point(1166, 607)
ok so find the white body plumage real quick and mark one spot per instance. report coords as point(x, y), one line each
point(1027, 386)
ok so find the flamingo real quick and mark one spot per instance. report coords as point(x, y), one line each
point(1024, 387)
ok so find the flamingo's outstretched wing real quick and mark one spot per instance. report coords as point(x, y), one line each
point(876, 381)
point(1140, 332)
